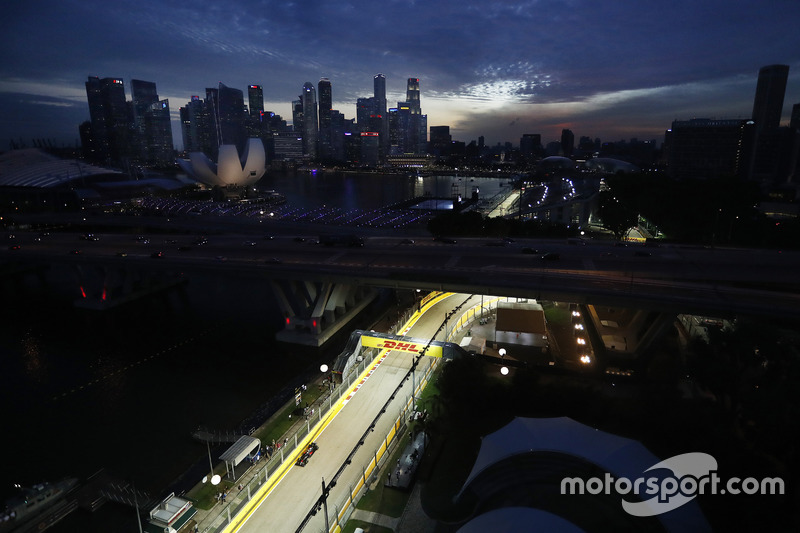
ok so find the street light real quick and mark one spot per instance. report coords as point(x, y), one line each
point(215, 478)
point(324, 369)
point(504, 370)
point(502, 352)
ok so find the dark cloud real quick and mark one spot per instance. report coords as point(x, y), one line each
point(583, 63)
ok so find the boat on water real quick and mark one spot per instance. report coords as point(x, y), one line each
point(33, 502)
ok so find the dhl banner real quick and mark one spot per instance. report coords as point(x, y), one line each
point(412, 346)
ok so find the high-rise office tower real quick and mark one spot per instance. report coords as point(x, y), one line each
point(395, 132)
point(211, 104)
point(379, 84)
point(143, 95)
point(310, 124)
point(422, 134)
point(365, 108)
point(340, 128)
point(152, 124)
point(440, 140)
point(794, 122)
point(707, 149)
point(255, 100)
point(160, 150)
point(401, 130)
point(412, 96)
point(379, 93)
point(230, 117)
point(297, 116)
point(768, 103)
point(530, 144)
point(108, 111)
point(325, 107)
point(194, 126)
point(772, 143)
point(418, 127)
point(567, 142)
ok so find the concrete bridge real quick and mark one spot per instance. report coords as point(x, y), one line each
point(320, 288)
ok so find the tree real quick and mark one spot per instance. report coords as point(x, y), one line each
point(616, 216)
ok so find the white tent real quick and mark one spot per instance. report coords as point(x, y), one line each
point(237, 453)
point(508, 520)
point(616, 455)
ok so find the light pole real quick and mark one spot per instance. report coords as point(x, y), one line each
point(136, 504)
point(325, 505)
point(324, 369)
point(215, 479)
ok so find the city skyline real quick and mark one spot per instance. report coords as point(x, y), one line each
point(498, 70)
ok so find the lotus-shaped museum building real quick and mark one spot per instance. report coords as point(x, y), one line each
point(230, 170)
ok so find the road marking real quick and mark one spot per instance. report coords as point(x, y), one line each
point(365, 378)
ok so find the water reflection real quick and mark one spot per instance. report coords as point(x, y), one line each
point(372, 191)
point(34, 365)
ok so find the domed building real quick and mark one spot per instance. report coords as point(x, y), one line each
point(230, 170)
point(556, 162)
point(611, 166)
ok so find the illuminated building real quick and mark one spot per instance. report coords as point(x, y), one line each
point(325, 107)
point(255, 100)
point(151, 121)
point(308, 99)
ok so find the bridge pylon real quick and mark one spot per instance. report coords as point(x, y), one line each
point(102, 287)
point(315, 311)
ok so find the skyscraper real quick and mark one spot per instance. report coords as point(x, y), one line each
point(440, 140)
point(143, 95)
point(567, 142)
point(768, 103)
point(707, 149)
point(771, 142)
point(379, 93)
point(365, 108)
point(310, 124)
point(194, 127)
point(229, 114)
point(212, 127)
point(255, 100)
point(152, 125)
point(108, 111)
point(530, 144)
point(412, 96)
point(794, 122)
point(325, 107)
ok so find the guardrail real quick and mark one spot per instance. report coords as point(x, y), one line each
point(233, 513)
point(282, 459)
point(346, 505)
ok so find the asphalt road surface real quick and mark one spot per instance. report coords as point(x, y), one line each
point(287, 504)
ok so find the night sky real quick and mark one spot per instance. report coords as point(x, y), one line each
point(614, 70)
